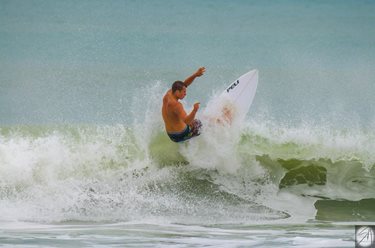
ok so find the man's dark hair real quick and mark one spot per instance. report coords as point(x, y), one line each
point(178, 85)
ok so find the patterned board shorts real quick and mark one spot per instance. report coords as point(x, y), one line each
point(190, 131)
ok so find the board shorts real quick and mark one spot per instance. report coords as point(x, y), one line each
point(189, 132)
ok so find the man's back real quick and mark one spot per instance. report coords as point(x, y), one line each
point(172, 112)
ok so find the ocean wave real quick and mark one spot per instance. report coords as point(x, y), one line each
point(108, 173)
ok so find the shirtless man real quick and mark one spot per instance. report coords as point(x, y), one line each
point(179, 125)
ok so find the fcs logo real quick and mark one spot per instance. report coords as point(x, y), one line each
point(233, 85)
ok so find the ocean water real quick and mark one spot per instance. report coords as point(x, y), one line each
point(85, 162)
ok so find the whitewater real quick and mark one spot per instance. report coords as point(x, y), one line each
point(219, 187)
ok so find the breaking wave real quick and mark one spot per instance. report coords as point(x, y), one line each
point(261, 173)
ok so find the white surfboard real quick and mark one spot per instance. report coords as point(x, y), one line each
point(233, 104)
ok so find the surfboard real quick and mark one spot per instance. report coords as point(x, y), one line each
point(234, 102)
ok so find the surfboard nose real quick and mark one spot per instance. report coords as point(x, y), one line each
point(252, 72)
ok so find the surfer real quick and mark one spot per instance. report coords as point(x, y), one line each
point(179, 125)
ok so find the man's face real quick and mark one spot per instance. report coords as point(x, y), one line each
point(181, 93)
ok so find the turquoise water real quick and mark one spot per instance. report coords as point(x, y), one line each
point(84, 160)
point(84, 62)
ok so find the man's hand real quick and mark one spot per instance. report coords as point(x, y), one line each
point(196, 106)
point(200, 72)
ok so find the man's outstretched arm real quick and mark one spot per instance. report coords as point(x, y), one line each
point(198, 73)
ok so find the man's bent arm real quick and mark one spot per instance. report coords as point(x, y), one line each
point(198, 73)
point(190, 117)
